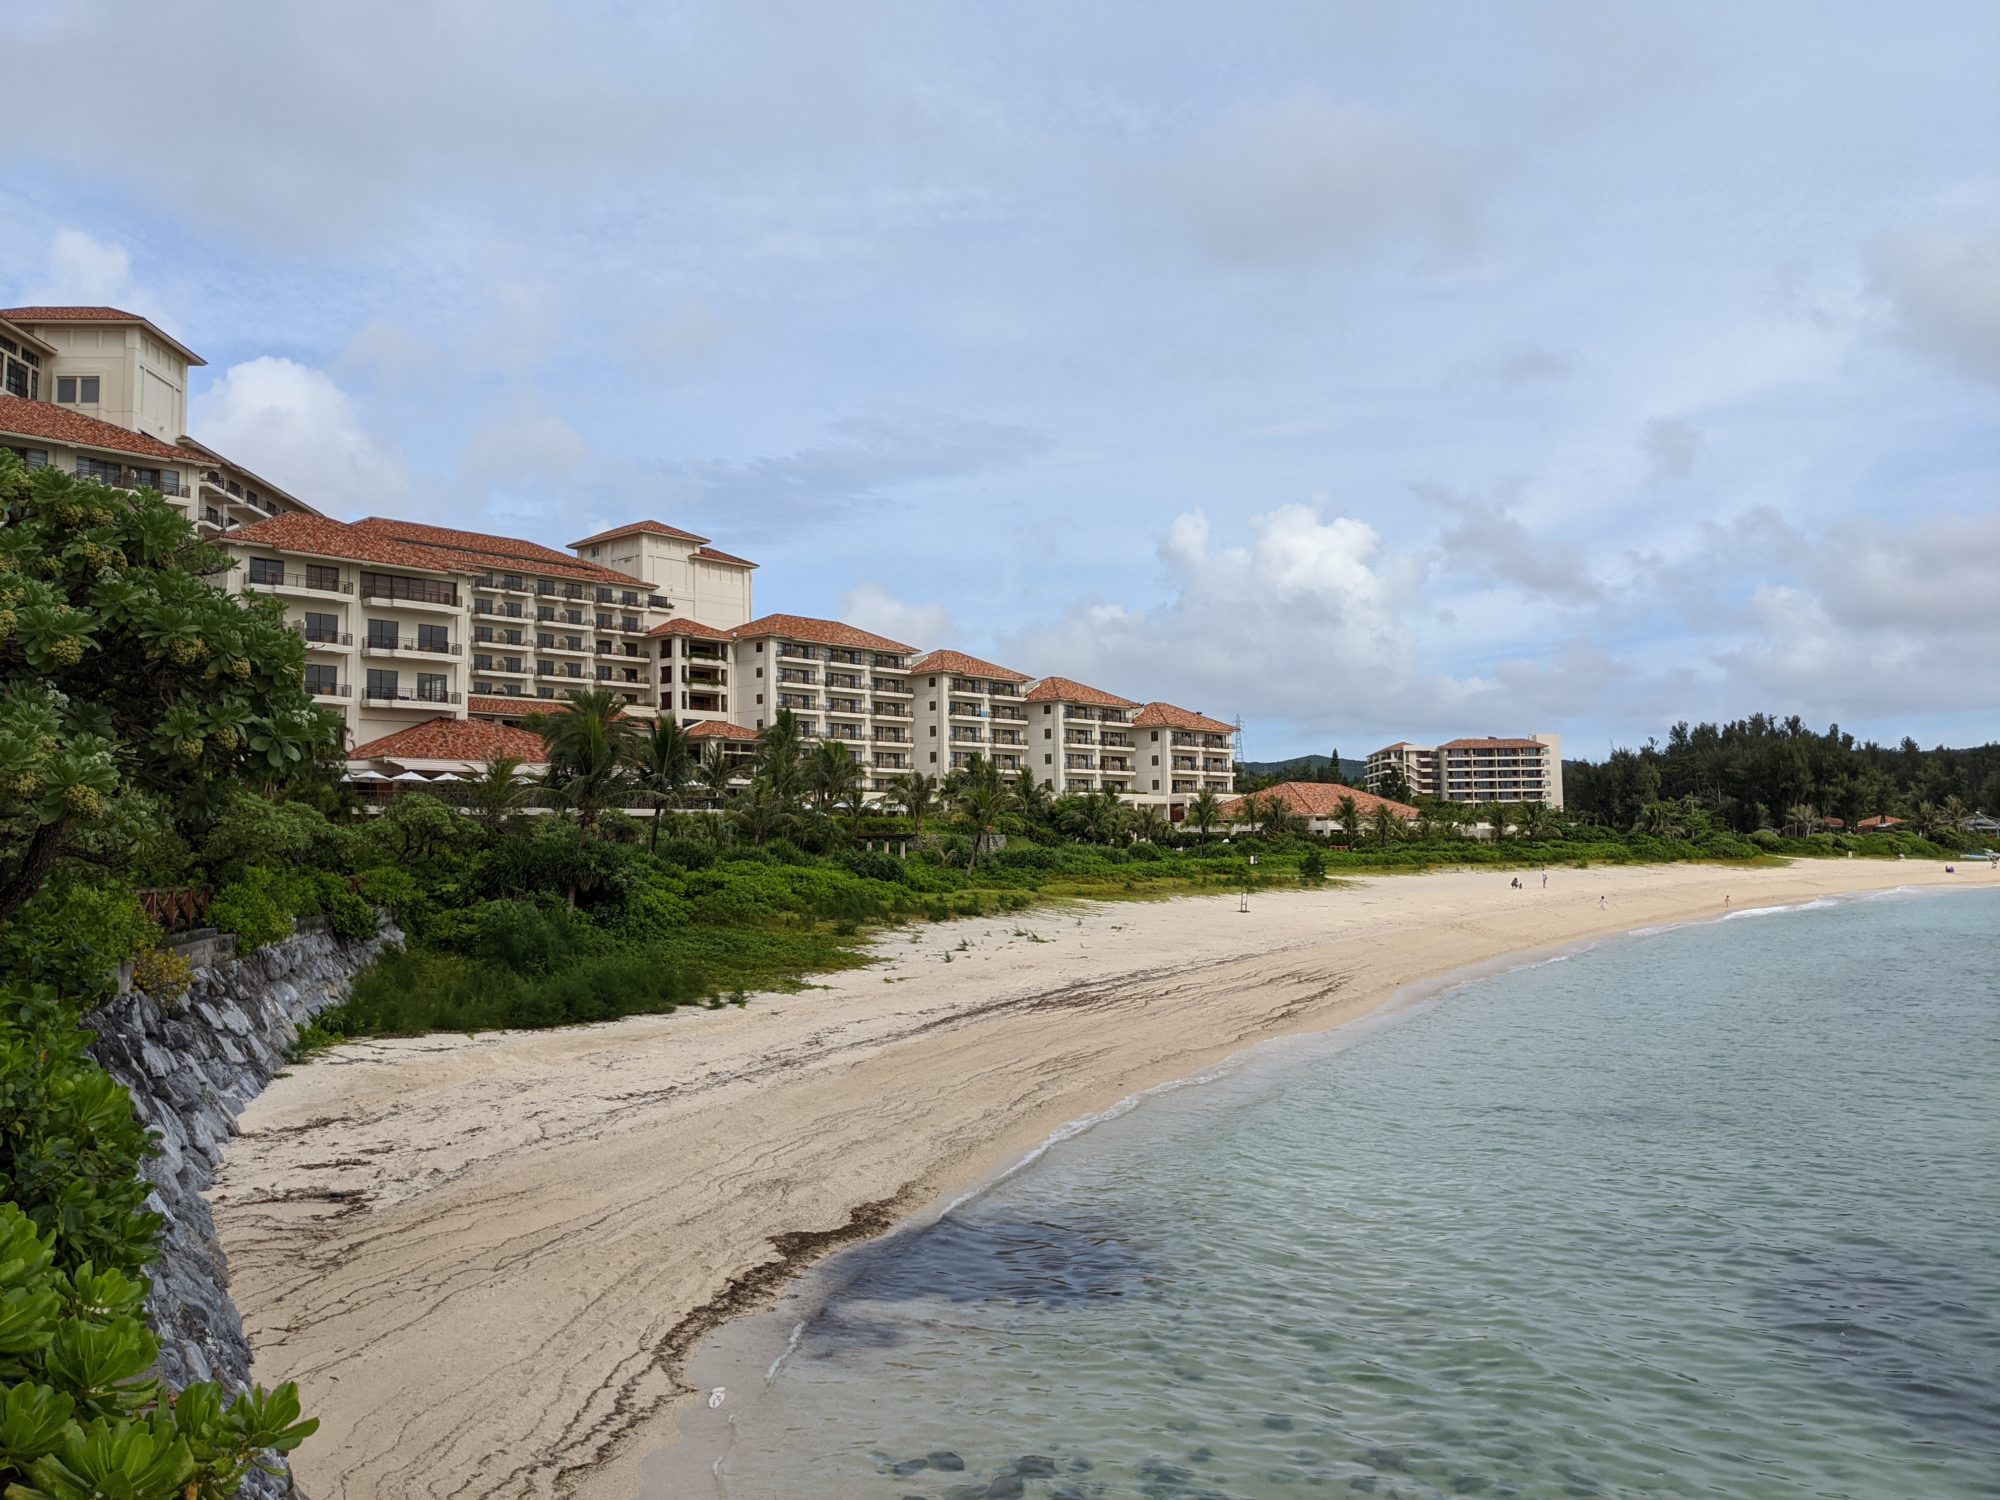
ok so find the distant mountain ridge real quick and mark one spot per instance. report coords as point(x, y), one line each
point(1308, 768)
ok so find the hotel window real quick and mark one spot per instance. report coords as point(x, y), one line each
point(266, 570)
point(321, 627)
point(381, 684)
point(17, 378)
point(320, 576)
point(382, 633)
point(322, 679)
point(433, 687)
point(433, 638)
point(76, 390)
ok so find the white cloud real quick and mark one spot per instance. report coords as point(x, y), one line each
point(1305, 179)
point(1944, 292)
point(1672, 444)
point(297, 428)
point(872, 607)
point(1484, 541)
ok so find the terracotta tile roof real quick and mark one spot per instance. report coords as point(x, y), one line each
point(651, 528)
point(445, 738)
point(1318, 799)
point(58, 424)
point(958, 663)
point(716, 729)
point(1878, 822)
point(1167, 716)
point(1065, 690)
point(727, 559)
point(819, 633)
point(514, 705)
point(484, 552)
point(95, 315)
point(1492, 744)
point(1399, 745)
point(323, 537)
point(691, 627)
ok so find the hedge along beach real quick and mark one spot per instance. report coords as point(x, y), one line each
point(487, 1260)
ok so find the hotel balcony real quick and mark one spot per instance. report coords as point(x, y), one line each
point(404, 646)
point(411, 593)
point(798, 702)
point(122, 477)
point(1186, 763)
point(396, 698)
point(851, 733)
point(1011, 715)
point(891, 710)
point(556, 646)
point(802, 679)
point(797, 652)
point(1079, 763)
point(502, 583)
point(967, 737)
point(1122, 741)
point(845, 657)
point(895, 685)
point(500, 666)
point(1078, 737)
point(1186, 786)
point(892, 736)
point(561, 671)
point(507, 611)
point(323, 640)
point(705, 703)
point(703, 651)
point(711, 677)
point(1009, 737)
point(1007, 762)
point(1003, 689)
point(340, 692)
point(296, 583)
point(892, 760)
point(1117, 768)
point(884, 659)
point(850, 681)
point(853, 707)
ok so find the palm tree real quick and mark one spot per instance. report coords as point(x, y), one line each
point(1204, 812)
point(1036, 800)
point(854, 802)
point(1499, 815)
point(1384, 824)
point(1347, 813)
point(758, 809)
point(664, 758)
point(1148, 822)
point(586, 752)
point(980, 797)
point(1273, 816)
point(831, 771)
point(916, 794)
point(780, 751)
point(715, 773)
point(498, 790)
point(1099, 815)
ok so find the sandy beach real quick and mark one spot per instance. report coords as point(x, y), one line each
point(486, 1259)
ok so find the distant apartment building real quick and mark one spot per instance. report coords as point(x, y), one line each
point(1475, 770)
point(429, 640)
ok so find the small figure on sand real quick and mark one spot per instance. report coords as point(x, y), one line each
point(1602, 905)
point(1545, 880)
point(1725, 903)
point(1515, 883)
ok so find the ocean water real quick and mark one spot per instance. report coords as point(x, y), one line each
point(1713, 1211)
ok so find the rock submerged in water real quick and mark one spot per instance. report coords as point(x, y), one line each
point(945, 1459)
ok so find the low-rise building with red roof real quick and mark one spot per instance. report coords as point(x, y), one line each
point(1317, 803)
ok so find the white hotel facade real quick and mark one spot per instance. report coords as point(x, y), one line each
point(407, 625)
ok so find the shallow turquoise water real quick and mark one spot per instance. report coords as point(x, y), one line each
point(1710, 1212)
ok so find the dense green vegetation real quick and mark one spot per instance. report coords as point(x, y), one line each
point(1763, 772)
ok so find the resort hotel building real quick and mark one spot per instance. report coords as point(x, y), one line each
point(429, 640)
point(1474, 770)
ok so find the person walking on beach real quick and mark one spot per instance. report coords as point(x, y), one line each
point(1545, 880)
point(1725, 903)
point(1601, 906)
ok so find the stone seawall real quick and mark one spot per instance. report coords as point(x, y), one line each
point(191, 1065)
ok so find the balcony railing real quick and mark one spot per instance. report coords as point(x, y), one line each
point(126, 477)
point(383, 643)
point(335, 690)
point(322, 637)
point(318, 583)
point(891, 710)
point(889, 685)
point(396, 695)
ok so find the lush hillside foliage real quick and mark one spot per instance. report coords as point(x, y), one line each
point(1763, 772)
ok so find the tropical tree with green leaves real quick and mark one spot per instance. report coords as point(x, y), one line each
point(588, 753)
point(759, 812)
point(1033, 797)
point(916, 794)
point(1347, 813)
point(1148, 822)
point(1385, 824)
point(1204, 811)
point(780, 758)
point(497, 791)
point(663, 757)
point(1100, 816)
point(831, 773)
point(715, 773)
point(980, 797)
point(125, 671)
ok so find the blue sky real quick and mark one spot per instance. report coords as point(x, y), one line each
point(1366, 371)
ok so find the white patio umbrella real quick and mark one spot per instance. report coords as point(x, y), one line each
point(410, 776)
point(447, 776)
point(366, 773)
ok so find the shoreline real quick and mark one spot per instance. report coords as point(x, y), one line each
point(489, 1260)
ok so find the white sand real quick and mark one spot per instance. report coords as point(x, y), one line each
point(484, 1260)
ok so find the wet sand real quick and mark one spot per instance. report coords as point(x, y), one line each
point(485, 1260)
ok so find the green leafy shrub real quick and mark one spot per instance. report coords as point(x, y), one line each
point(73, 936)
point(162, 973)
point(79, 1419)
point(259, 908)
point(1312, 868)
